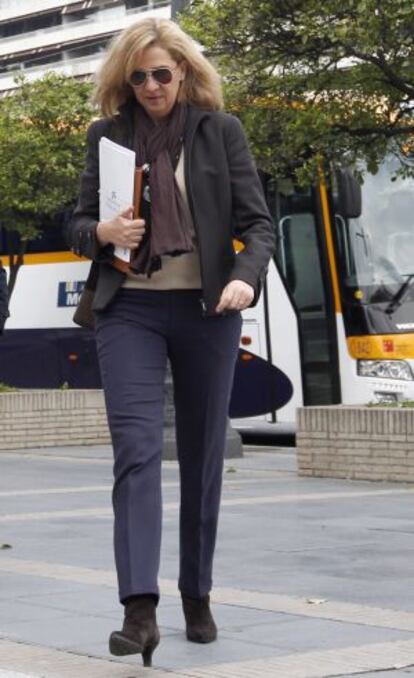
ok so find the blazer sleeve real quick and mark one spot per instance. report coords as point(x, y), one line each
point(4, 298)
point(82, 227)
point(252, 222)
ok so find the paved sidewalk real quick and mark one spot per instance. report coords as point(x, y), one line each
point(313, 578)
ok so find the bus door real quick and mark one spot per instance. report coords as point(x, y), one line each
point(301, 260)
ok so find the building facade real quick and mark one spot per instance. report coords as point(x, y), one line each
point(67, 37)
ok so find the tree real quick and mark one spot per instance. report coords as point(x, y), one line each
point(314, 80)
point(42, 146)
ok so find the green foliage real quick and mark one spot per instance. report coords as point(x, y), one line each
point(399, 404)
point(42, 146)
point(5, 388)
point(313, 80)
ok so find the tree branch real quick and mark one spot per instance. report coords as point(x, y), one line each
point(381, 63)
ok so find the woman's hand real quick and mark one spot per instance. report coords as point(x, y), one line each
point(236, 296)
point(122, 230)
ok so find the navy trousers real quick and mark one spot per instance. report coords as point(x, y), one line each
point(135, 336)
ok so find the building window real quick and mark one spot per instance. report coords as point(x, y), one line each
point(86, 50)
point(34, 23)
point(132, 4)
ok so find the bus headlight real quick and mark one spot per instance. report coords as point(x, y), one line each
point(385, 369)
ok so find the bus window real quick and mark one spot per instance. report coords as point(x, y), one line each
point(380, 251)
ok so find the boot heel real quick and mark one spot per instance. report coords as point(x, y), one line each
point(140, 633)
point(147, 655)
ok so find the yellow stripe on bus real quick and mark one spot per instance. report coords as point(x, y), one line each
point(381, 346)
point(330, 246)
point(46, 258)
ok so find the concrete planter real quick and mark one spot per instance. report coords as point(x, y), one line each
point(49, 418)
point(356, 442)
point(46, 418)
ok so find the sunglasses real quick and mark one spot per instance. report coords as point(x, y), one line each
point(161, 75)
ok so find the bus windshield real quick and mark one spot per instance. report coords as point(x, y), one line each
point(377, 249)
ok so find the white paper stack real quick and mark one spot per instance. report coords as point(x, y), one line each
point(116, 184)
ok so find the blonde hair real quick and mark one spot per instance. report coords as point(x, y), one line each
point(201, 85)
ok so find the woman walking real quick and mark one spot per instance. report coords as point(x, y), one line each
point(180, 300)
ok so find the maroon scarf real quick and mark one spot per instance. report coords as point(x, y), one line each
point(169, 227)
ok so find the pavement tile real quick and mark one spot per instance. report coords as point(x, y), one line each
point(19, 586)
point(347, 543)
point(61, 633)
point(20, 611)
point(303, 635)
point(13, 674)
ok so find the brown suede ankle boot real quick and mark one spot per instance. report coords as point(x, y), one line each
point(199, 620)
point(140, 633)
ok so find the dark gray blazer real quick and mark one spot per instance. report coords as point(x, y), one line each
point(225, 197)
point(4, 298)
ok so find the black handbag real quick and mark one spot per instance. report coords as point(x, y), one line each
point(83, 315)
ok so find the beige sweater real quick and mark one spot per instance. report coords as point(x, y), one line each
point(181, 272)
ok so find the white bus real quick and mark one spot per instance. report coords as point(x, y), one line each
point(337, 315)
point(335, 323)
